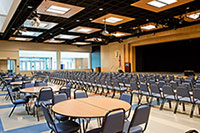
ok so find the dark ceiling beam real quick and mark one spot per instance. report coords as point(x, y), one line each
point(18, 19)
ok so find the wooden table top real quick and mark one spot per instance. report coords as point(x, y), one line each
point(37, 89)
point(18, 82)
point(8, 78)
point(89, 107)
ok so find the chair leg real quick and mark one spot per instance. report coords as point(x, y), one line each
point(140, 99)
point(176, 107)
point(113, 94)
point(27, 109)
point(162, 104)
point(138, 96)
point(199, 109)
point(183, 106)
point(12, 110)
point(97, 90)
point(102, 91)
point(170, 104)
point(107, 93)
point(158, 101)
point(147, 98)
point(192, 110)
point(37, 114)
point(151, 99)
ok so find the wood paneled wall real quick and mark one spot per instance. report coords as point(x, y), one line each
point(110, 56)
point(127, 49)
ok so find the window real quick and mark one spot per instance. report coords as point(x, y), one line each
point(37, 60)
point(75, 60)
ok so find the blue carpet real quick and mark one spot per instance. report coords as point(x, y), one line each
point(3, 94)
point(8, 106)
point(43, 127)
point(1, 127)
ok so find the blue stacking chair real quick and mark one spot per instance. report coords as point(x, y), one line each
point(140, 117)
point(17, 101)
point(113, 122)
point(67, 126)
point(59, 98)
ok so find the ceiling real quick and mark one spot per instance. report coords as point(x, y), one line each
point(131, 20)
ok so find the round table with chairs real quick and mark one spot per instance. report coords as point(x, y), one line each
point(19, 82)
point(89, 107)
point(37, 89)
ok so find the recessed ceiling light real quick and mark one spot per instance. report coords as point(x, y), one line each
point(57, 9)
point(113, 20)
point(62, 28)
point(84, 30)
point(156, 4)
point(43, 24)
point(29, 7)
point(81, 43)
point(168, 1)
point(20, 39)
point(118, 34)
point(148, 27)
point(100, 9)
point(30, 33)
point(94, 39)
point(54, 41)
point(77, 20)
point(63, 36)
point(194, 16)
point(90, 19)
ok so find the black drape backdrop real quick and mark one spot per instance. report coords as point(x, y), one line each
point(169, 57)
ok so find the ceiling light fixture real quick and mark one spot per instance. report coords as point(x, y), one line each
point(105, 32)
point(57, 9)
point(63, 36)
point(156, 4)
point(148, 27)
point(168, 1)
point(194, 16)
point(112, 20)
point(100, 9)
point(84, 30)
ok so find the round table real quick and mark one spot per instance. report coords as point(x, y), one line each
point(19, 82)
point(7, 79)
point(89, 107)
point(37, 89)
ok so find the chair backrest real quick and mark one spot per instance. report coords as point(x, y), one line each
point(45, 94)
point(42, 84)
point(167, 90)
point(143, 87)
point(66, 90)
point(134, 86)
point(154, 88)
point(113, 121)
point(45, 80)
point(27, 85)
point(80, 93)
point(196, 93)
point(174, 84)
point(182, 91)
point(197, 85)
point(188, 85)
point(48, 117)
point(116, 83)
point(59, 98)
point(161, 83)
point(140, 116)
point(126, 97)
